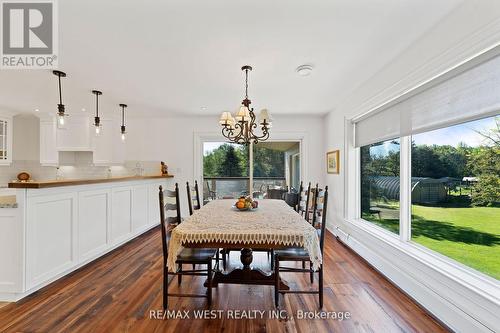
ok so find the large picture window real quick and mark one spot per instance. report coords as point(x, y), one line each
point(454, 189)
point(456, 193)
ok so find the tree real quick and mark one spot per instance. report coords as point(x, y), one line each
point(485, 164)
point(230, 166)
point(268, 162)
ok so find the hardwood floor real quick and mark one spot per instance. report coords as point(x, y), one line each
point(118, 292)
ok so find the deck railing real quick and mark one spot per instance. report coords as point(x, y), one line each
point(234, 187)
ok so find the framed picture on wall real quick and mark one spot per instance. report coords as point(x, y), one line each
point(333, 161)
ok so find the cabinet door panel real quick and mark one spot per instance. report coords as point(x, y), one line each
point(75, 136)
point(50, 236)
point(48, 143)
point(94, 217)
point(121, 225)
point(140, 207)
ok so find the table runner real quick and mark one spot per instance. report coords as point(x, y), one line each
point(274, 222)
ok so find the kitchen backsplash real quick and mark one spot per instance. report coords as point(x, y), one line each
point(80, 170)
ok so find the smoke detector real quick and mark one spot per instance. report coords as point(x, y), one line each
point(304, 70)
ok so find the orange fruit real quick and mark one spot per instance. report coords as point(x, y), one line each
point(240, 204)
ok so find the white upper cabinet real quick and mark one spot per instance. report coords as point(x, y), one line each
point(108, 146)
point(103, 144)
point(5, 140)
point(49, 154)
point(78, 135)
point(75, 135)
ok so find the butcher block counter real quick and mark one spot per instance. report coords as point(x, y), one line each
point(72, 182)
point(58, 226)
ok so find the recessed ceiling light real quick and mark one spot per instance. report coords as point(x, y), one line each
point(203, 108)
point(83, 109)
point(37, 110)
point(304, 70)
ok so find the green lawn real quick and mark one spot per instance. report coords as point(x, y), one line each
point(470, 235)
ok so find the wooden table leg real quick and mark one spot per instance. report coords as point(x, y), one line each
point(246, 274)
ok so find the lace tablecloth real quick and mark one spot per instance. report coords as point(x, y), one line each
point(274, 222)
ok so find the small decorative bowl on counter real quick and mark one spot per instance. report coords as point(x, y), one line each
point(246, 203)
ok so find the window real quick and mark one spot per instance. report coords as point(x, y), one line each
point(3, 141)
point(226, 168)
point(380, 184)
point(456, 193)
point(454, 186)
point(273, 166)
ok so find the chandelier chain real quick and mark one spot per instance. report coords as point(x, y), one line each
point(246, 83)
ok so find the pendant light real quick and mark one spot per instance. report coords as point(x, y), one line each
point(97, 119)
point(122, 129)
point(60, 106)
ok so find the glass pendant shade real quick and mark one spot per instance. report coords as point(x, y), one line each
point(60, 120)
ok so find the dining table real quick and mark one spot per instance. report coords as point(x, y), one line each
point(272, 225)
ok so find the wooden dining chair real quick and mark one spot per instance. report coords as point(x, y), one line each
point(191, 256)
point(211, 194)
point(300, 254)
point(193, 195)
point(304, 201)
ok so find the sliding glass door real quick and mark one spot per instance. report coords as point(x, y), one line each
point(264, 170)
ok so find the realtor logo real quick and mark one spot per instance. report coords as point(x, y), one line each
point(29, 34)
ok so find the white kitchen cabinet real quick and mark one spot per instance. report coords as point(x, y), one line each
point(57, 230)
point(50, 236)
point(78, 135)
point(5, 140)
point(140, 197)
point(49, 154)
point(75, 135)
point(93, 222)
point(103, 144)
point(121, 220)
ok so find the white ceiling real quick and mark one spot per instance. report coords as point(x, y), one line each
point(184, 57)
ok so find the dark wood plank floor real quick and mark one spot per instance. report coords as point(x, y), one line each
point(117, 292)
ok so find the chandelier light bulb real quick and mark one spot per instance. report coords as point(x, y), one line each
point(97, 130)
point(123, 137)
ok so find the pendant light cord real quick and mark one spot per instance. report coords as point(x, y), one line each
point(60, 89)
point(246, 83)
point(123, 115)
point(97, 105)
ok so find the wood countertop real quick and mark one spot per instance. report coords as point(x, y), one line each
point(72, 182)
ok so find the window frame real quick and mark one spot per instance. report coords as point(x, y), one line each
point(446, 265)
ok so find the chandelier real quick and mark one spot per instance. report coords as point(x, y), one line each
point(240, 128)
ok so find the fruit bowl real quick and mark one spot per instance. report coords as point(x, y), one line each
point(246, 203)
